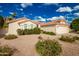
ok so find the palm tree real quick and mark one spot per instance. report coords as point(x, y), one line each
point(12, 16)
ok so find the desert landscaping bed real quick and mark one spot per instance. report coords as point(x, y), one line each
point(25, 45)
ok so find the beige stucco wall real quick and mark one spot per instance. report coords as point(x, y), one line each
point(56, 29)
point(12, 29)
point(49, 28)
point(62, 29)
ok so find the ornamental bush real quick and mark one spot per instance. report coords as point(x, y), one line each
point(37, 30)
point(67, 38)
point(10, 36)
point(48, 48)
point(49, 33)
point(29, 31)
point(76, 37)
point(20, 32)
point(6, 51)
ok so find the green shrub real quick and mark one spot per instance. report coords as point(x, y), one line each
point(76, 38)
point(49, 33)
point(36, 30)
point(20, 32)
point(26, 31)
point(6, 51)
point(1, 21)
point(75, 24)
point(9, 37)
point(67, 38)
point(48, 48)
point(29, 31)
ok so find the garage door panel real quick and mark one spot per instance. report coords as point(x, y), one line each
point(62, 30)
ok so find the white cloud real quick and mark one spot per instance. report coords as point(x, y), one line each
point(56, 18)
point(39, 18)
point(64, 9)
point(10, 12)
point(76, 14)
point(61, 17)
point(24, 5)
point(76, 7)
point(21, 9)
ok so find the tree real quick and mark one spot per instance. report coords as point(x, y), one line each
point(10, 18)
point(1, 21)
point(75, 24)
point(13, 15)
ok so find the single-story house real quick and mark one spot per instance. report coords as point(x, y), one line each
point(21, 23)
point(56, 26)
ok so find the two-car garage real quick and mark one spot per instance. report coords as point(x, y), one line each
point(62, 29)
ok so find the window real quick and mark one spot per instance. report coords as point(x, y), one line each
point(25, 26)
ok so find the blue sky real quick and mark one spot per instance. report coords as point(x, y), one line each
point(41, 11)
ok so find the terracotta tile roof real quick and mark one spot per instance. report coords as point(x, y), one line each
point(22, 20)
point(18, 20)
point(36, 22)
point(55, 22)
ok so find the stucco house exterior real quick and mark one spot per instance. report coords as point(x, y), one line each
point(21, 23)
point(56, 26)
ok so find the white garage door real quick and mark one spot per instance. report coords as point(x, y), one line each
point(62, 30)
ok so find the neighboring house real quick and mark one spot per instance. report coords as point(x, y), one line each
point(21, 23)
point(56, 26)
